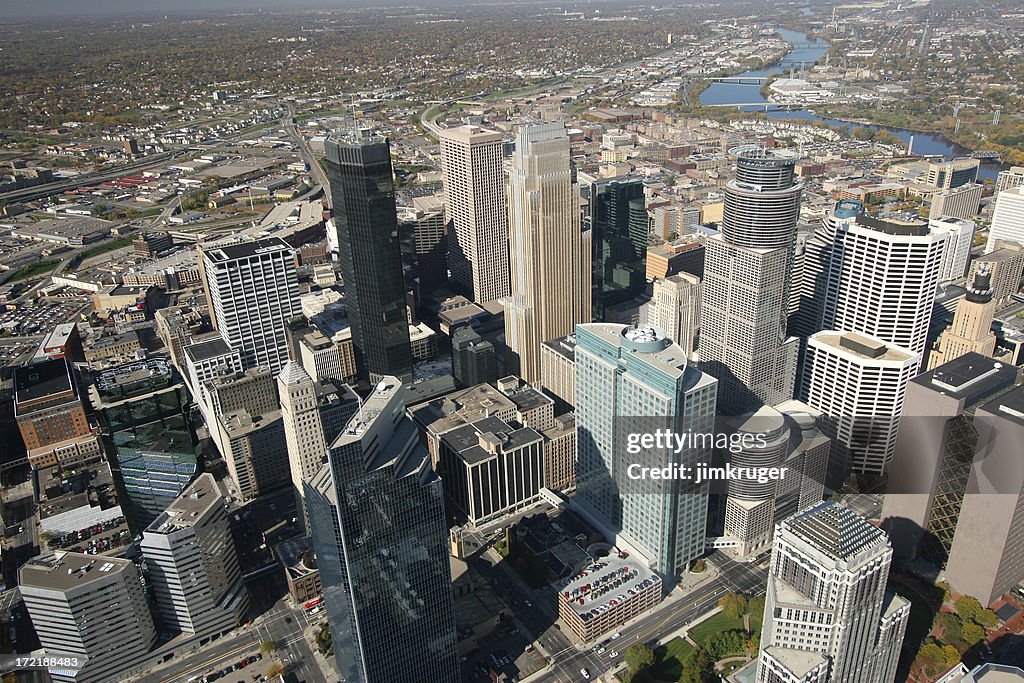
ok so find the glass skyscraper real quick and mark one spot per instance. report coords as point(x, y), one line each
point(635, 380)
point(370, 252)
point(376, 516)
point(147, 435)
point(618, 219)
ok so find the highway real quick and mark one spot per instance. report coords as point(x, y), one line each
point(40, 191)
point(302, 146)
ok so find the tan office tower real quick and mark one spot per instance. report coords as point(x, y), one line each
point(303, 429)
point(676, 308)
point(987, 556)
point(550, 255)
point(474, 185)
point(972, 323)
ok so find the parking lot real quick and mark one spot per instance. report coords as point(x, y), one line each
point(249, 669)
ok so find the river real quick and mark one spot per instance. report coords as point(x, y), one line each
point(806, 55)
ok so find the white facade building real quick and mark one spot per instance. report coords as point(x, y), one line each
point(1007, 218)
point(958, 246)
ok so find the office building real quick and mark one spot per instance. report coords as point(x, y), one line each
point(623, 372)
point(252, 390)
point(1007, 265)
point(560, 453)
point(146, 430)
point(993, 673)
point(369, 252)
point(254, 448)
point(87, 606)
point(1009, 179)
point(474, 186)
point(491, 468)
point(303, 430)
point(618, 225)
point(425, 224)
point(971, 330)
point(192, 568)
point(319, 356)
point(675, 308)
point(958, 246)
point(827, 614)
point(549, 252)
point(1007, 219)
point(951, 174)
point(205, 359)
point(51, 415)
point(858, 382)
point(744, 297)
point(877, 277)
point(961, 202)
point(473, 358)
point(935, 449)
point(986, 558)
point(378, 527)
point(558, 371)
point(253, 291)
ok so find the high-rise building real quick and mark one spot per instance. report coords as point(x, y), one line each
point(473, 358)
point(858, 382)
point(370, 252)
point(986, 558)
point(376, 514)
point(558, 371)
point(90, 607)
point(550, 255)
point(425, 224)
point(971, 329)
point(958, 246)
point(191, 565)
point(745, 291)
point(474, 186)
point(1009, 179)
point(1007, 266)
point(253, 291)
point(1007, 218)
point(622, 373)
point(675, 308)
point(935, 449)
point(143, 410)
point(618, 225)
point(319, 356)
point(827, 614)
point(51, 416)
point(303, 430)
point(960, 202)
point(950, 174)
point(877, 277)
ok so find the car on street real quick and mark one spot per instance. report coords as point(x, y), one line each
point(585, 673)
point(613, 655)
point(615, 635)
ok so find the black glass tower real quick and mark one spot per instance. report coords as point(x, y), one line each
point(147, 435)
point(376, 516)
point(370, 252)
point(618, 219)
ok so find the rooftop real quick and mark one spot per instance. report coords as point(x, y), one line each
point(1009, 405)
point(207, 349)
point(835, 531)
point(41, 380)
point(606, 583)
point(563, 346)
point(189, 506)
point(863, 346)
point(132, 379)
point(441, 414)
point(481, 440)
point(242, 250)
point(970, 377)
point(62, 571)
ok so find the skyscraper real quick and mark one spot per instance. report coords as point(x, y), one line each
point(147, 434)
point(1007, 218)
point(676, 308)
point(877, 277)
point(635, 380)
point(958, 248)
point(550, 290)
point(253, 291)
point(959, 202)
point(192, 566)
point(370, 252)
point(424, 224)
point(474, 185)
point(746, 284)
point(303, 430)
point(91, 607)
point(827, 614)
point(950, 174)
point(858, 383)
point(618, 224)
point(971, 329)
point(986, 558)
point(376, 514)
point(935, 451)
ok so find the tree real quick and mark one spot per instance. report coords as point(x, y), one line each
point(275, 669)
point(639, 657)
point(755, 606)
point(968, 608)
point(986, 618)
point(733, 605)
point(950, 625)
point(268, 647)
point(972, 633)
